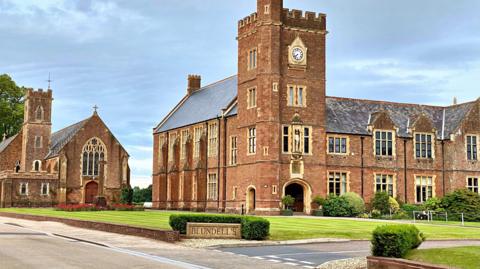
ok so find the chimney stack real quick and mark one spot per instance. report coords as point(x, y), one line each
point(194, 83)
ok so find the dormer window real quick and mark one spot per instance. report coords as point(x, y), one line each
point(384, 143)
point(424, 146)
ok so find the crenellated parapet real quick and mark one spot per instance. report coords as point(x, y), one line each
point(40, 93)
point(247, 23)
point(308, 19)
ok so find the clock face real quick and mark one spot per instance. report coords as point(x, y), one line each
point(298, 54)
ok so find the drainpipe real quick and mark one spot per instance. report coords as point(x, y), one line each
point(443, 167)
point(225, 152)
point(206, 166)
point(405, 170)
point(218, 162)
point(166, 169)
point(362, 141)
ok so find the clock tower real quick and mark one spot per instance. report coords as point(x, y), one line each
point(281, 102)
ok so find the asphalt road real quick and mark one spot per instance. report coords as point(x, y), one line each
point(312, 255)
point(23, 248)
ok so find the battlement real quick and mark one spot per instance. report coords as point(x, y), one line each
point(249, 20)
point(307, 19)
point(40, 93)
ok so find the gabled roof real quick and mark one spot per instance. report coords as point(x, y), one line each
point(60, 138)
point(4, 144)
point(204, 104)
point(351, 116)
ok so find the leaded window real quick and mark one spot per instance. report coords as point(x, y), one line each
point(94, 152)
point(337, 183)
point(424, 146)
point(337, 145)
point(212, 184)
point(384, 183)
point(424, 188)
point(472, 147)
point(472, 184)
point(384, 143)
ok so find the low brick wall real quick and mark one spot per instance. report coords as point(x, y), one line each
point(389, 263)
point(163, 235)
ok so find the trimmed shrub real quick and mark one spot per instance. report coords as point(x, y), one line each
point(318, 201)
point(411, 207)
point(393, 204)
point(376, 214)
point(337, 206)
point(253, 228)
point(381, 203)
point(286, 212)
point(395, 241)
point(356, 203)
point(363, 216)
point(288, 201)
point(400, 214)
point(463, 201)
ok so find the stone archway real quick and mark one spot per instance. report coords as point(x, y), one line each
point(302, 192)
point(91, 191)
point(251, 200)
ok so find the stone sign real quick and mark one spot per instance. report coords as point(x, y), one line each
point(214, 230)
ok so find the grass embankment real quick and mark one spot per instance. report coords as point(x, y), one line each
point(281, 228)
point(459, 257)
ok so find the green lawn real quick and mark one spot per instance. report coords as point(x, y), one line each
point(282, 228)
point(459, 257)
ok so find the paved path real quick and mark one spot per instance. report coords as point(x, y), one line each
point(312, 255)
point(35, 245)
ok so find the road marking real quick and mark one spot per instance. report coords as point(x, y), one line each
point(307, 266)
point(272, 260)
point(321, 252)
point(260, 258)
point(291, 263)
point(272, 256)
point(290, 259)
point(305, 262)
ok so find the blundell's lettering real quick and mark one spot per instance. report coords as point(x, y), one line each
point(213, 230)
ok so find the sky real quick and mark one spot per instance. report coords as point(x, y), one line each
point(132, 58)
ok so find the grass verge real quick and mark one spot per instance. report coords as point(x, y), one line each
point(281, 228)
point(459, 257)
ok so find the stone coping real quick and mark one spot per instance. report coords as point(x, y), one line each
point(162, 235)
point(392, 263)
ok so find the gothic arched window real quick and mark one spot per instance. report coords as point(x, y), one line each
point(93, 153)
point(39, 113)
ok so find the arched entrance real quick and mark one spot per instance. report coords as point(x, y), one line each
point(91, 191)
point(296, 191)
point(251, 200)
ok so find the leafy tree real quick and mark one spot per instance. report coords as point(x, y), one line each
point(11, 106)
point(288, 201)
point(126, 196)
point(142, 195)
point(381, 203)
point(463, 201)
point(337, 206)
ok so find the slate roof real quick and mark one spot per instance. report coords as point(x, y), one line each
point(344, 115)
point(4, 144)
point(205, 104)
point(60, 138)
point(351, 116)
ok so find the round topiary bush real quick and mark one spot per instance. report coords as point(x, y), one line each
point(356, 203)
point(394, 206)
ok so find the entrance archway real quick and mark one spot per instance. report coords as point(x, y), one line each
point(296, 191)
point(251, 200)
point(91, 191)
point(302, 192)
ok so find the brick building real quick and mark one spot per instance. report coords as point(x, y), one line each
point(244, 142)
point(73, 165)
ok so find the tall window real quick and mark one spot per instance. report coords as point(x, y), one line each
point(23, 188)
point(472, 147)
point(161, 141)
point(233, 150)
point(337, 145)
point(424, 188)
point(384, 183)
point(212, 184)
point(183, 144)
point(194, 187)
point(296, 96)
point(44, 189)
point(252, 98)
point(424, 146)
point(252, 59)
point(297, 139)
point(197, 137)
point(212, 139)
point(94, 152)
point(38, 142)
point(39, 113)
point(180, 187)
point(337, 183)
point(472, 184)
point(171, 146)
point(384, 143)
point(252, 140)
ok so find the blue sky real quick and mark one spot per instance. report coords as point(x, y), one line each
point(131, 58)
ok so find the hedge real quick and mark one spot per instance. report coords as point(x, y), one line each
point(395, 240)
point(253, 228)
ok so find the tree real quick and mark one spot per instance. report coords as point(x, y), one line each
point(11, 106)
point(142, 195)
